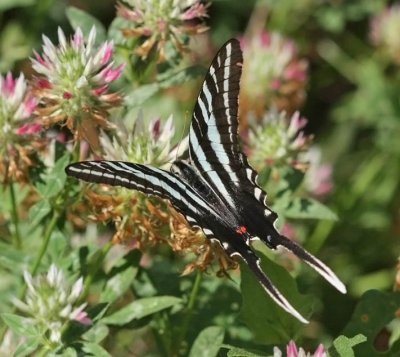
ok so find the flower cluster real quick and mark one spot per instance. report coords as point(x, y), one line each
point(292, 351)
point(73, 84)
point(52, 302)
point(385, 29)
point(318, 178)
point(273, 74)
point(144, 145)
point(158, 22)
point(278, 140)
point(19, 134)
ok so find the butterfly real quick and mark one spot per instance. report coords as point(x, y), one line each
point(217, 190)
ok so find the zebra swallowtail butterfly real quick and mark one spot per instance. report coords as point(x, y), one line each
point(218, 190)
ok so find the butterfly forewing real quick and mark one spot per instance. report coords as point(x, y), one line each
point(213, 140)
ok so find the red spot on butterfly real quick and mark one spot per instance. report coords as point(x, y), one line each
point(241, 230)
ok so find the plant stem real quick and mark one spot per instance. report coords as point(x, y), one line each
point(188, 311)
point(14, 217)
point(94, 269)
point(46, 241)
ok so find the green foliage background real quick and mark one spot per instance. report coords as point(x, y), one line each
point(353, 108)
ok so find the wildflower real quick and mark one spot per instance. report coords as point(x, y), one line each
point(156, 23)
point(151, 145)
point(19, 134)
point(72, 84)
point(292, 351)
point(318, 178)
point(277, 140)
point(272, 75)
point(51, 302)
point(385, 28)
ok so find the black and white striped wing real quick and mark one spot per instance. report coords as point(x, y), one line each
point(143, 178)
point(213, 139)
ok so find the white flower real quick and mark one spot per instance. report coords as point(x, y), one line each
point(145, 145)
point(51, 301)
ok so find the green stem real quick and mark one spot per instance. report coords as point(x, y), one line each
point(14, 217)
point(93, 270)
point(46, 241)
point(189, 311)
point(43, 352)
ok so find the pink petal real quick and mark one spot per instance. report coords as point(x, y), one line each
point(29, 129)
point(34, 128)
point(196, 11)
point(67, 95)
point(162, 26)
point(83, 318)
point(110, 74)
point(275, 84)
point(156, 128)
point(108, 53)
point(295, 71)
point(40, 59)
point(291, 349)
point(22, 130)
point(320, 352)
point(61, 137)
point(265, 39)
point(99, 91)
point(30, 105)
point(43, 84)
point(288, 231)
point(9, 84)
point(78, 38)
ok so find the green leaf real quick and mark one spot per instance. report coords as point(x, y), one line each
point(95, 350)
point(85, 21)
point(97, 312)
point(38, 211)
point(11, 257)
point(269, 323)
point(114, 30)
point(208, 342)
point(239, 352)
point(118, 284)
point(96, 334)
point(9, 4)
point(141, 308)
point(373, 313)
point(138, 96)
point(344, 345)
point(27, 347)
point(307, 208)
point(168, 80)
point(53, 182)
point(20, 325)
point(68, 352)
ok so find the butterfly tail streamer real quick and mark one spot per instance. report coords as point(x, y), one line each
point(312, 261)
point(273, 292)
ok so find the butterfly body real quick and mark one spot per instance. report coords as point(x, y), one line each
point(217, 190)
